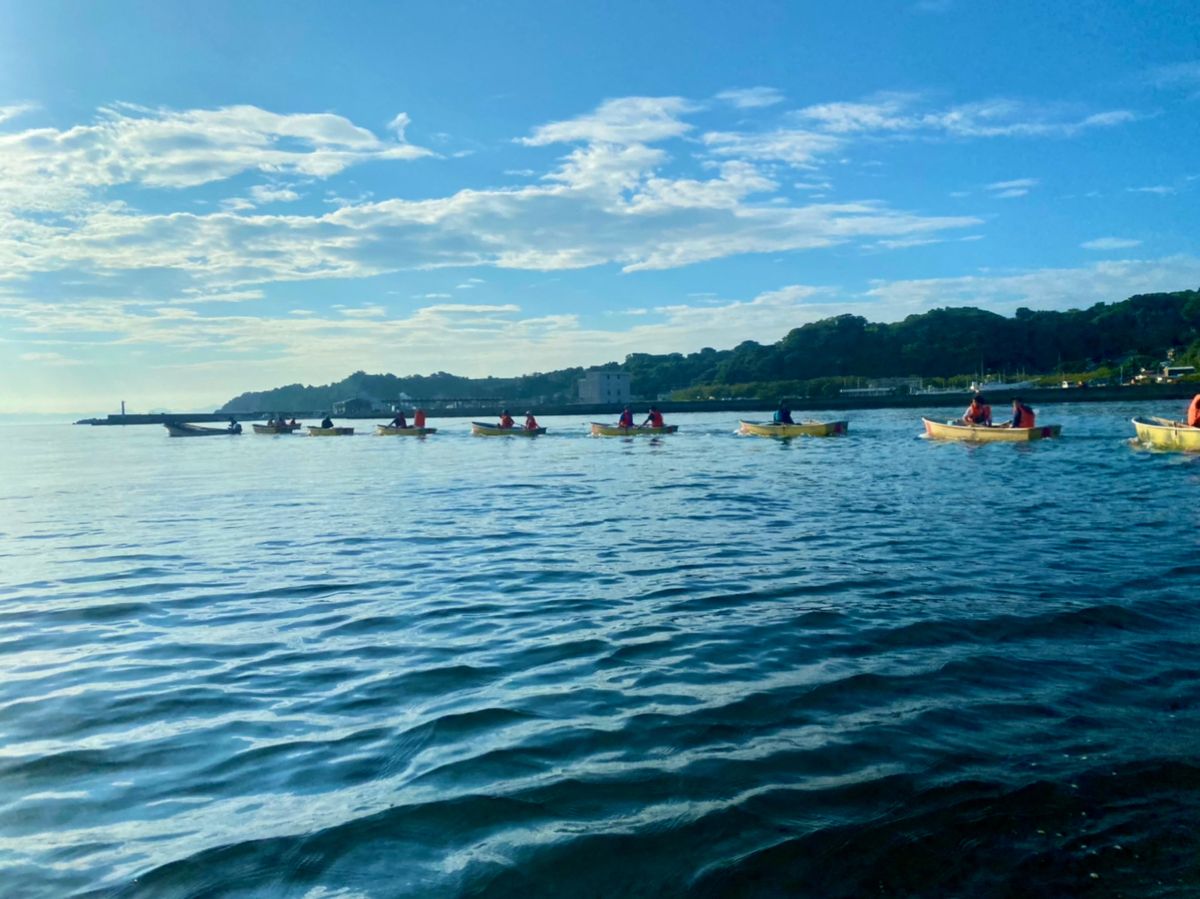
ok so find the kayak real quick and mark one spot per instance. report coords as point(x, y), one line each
point(1166, 434)
point(314, 431)
point(956, 430)
point(182, 429)
point(801, 429)
point(483, 429)
point(602, 430)
point(389, 431)
point(275, 429)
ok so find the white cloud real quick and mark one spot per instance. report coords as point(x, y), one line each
point(52, 359)
point(399, 124)
point(797, 148)
point(903, 114)
point(1050, 288)
point(14, 110)
point(751, 97)
point(45, 168)
point(263, 193)
point(1110, 243)
point(623, 121)
point(1161, 190)
point(1018, 187)
point(365, 312)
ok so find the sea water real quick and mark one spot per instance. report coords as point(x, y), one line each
point(567, 666)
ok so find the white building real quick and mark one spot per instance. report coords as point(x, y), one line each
point(604, 387)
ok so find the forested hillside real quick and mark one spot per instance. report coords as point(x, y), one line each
point(937, 344)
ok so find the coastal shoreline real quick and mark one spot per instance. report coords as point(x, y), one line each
point(1035, 397)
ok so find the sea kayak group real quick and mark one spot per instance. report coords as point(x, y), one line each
point(974, 425)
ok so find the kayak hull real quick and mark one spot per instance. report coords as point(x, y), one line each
point(602, 430)
point(275, 429)
point(802, 429)
point(483, 429)
point(388, 431)
point(314, 431)
point(1162, 433)
point(981, 434)
point(182, 429)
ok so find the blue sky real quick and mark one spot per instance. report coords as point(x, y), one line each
point(201, 199)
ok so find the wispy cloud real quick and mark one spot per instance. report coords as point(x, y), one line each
point(1110, 243)
point(906, 113)
point(1018, 187)
point(1161, 190)
point(1177, 75)
point(751, 97)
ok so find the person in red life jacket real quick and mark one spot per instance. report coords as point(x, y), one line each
point(531, 422)
point(506, 420)
point(398, 421)
point(419, 418)
point(654, 419)
point(626, 419)
point(1193, 412)
point(978, 413)
point(1023, 416)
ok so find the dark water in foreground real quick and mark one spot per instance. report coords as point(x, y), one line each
point(708, 665)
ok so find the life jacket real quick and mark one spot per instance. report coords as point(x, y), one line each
point(626, 420)
point(506, 421)
point(656, 419)
point(978, 414)
point(1193, 412)
point(530, 423)
point(419, 418)
point(1024, 416)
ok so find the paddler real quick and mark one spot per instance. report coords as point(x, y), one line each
point(1193, 412)
point(654, 419)
point(978, 413)
point(530, 422)
point(399, 421)
point(626, 419)
point(783, 415)
point(506, 420)
point(1023, 416)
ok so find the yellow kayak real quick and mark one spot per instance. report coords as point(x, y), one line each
point(389, 431)
point(603, 430)
point(1163, 433)
point(956, 430)
point(483, 429)
point(802, 429)
point(314, 431)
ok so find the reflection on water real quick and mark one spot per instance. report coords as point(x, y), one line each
point(700, 663)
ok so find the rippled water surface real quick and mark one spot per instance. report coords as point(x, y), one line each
point(704, 665)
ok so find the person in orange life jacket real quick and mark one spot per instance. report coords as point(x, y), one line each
point(419, 418)
point(783, 415)
point(1023, 416)
point(531, 422)
point(654, 419)
point(398, 421)
point(1193, 412)
point(506, 420)
point(978, 413)
point(626, 419)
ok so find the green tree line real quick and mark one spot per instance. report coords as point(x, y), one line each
point(940, 344)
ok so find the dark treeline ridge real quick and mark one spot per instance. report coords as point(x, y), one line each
point(940, 344)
